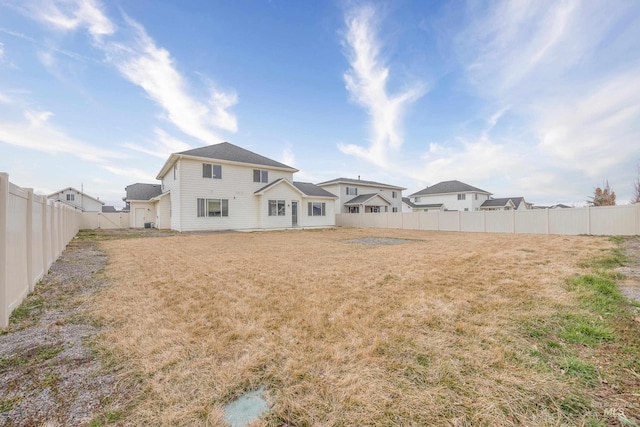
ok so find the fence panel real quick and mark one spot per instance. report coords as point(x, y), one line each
point(534, 221)
point(614, 220)
point(472, 221)
point(33, 233)
point(569, 221)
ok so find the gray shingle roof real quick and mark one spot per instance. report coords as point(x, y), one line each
point(108, 209)
point(429, 205)
point(140, 191)
point(502, 201)
point(408, 202)
point(361, 182)
point(233, 153)
point(446, 187)
point(363, 198)
point(313, 190)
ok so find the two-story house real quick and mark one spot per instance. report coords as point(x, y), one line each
point(224, 186)
point(360, 196)
point(450, 196)
point(77, 199)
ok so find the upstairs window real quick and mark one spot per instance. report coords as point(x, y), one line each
point(276, 208)
point(416, 200)
point(211, 171)
point(394, 194)
point(260, 175)
point(175, 171)
point(352, 191)
point(71, 197)
point(462, 197)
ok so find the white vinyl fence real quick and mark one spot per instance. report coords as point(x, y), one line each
point(33, 233)
point(105, 221)
point(603, 221)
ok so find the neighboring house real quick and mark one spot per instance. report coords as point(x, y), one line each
point(109, 209)
point(449, 196)
point(358, 196)
point(558, 206)
point(505, 204)
point(223, 187)
point(77, 199)
point(142, 205)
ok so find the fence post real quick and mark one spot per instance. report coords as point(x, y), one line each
point(30, 239)
point(547, 225)
point(4, 219)
point(588, 220)
point(513, 221)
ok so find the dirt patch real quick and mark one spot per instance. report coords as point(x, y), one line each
point(48, 371)
point(630, 285)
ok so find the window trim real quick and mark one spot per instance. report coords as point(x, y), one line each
point(462, 196)
point(263, 175)
point(352, 193)
point(71, 197)
point(202, 205)
point(276, 207)
point(211, 170)
point(311, 210)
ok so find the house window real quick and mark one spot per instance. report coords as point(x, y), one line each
point(71, 197)
point(394, 194)
point(260, 175)
point(394, 210)
point(354, 209)
point(211, 171)
point(316, 209)
point(213, 207)
point(175, 171)
point(466, 209)
point(462, 196)
point(352, 191)
point(476, 196)
point(276, 208)
point(417, 200)
point(375, 209)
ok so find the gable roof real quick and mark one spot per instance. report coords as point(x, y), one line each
point(226, 152)
point(408, 202)
point(498, 202)
point(139, 191)
point(448, 187)
point(313, 190)
point(77, 192)
point(108, 209)
point(304, 188)
point(364, 198)
point(359, 182)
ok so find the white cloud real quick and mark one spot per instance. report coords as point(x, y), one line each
point(38, 133)
point(1, 50)
point(70, 15)
point(366, 82)
point(153, 69)
point(132, 174)
point(162, 146)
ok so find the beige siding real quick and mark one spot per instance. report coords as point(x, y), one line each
point(142, 212)
point(329, 220)
point(280, 192)
point(172, 184)
point(236, 185)
point(163, 212)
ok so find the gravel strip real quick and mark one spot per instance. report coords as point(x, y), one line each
point(49, 374)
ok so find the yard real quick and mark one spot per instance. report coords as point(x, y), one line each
point(370, 327)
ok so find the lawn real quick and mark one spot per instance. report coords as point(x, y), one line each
point(343, 328)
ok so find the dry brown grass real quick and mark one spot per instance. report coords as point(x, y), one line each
point(421, 333)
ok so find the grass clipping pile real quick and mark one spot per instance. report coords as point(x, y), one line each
point(339, 333)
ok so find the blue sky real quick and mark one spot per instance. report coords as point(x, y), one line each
point(539, 99)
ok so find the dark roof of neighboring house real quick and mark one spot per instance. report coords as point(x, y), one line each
point(359, 182)
point(497, 202)
point(313, 190)
point(408, 202)
point(139, 191)
point(233, 153)
point(108, 209)
point(363, 198)
point(447, 187)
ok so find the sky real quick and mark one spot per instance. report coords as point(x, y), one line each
point(539, 99)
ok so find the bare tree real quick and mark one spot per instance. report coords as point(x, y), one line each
point(603, 196)
point(635, 198)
